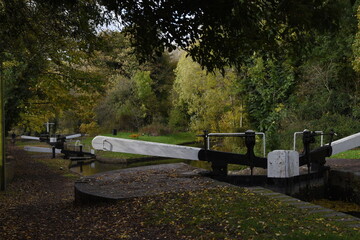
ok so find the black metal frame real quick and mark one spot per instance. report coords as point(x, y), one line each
point(60, 144)
point(314, 159)
point(220, 160)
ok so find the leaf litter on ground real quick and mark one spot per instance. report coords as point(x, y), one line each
point(39, 204)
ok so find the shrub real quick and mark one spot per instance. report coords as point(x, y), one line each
point(155, 129)
point(91, 128)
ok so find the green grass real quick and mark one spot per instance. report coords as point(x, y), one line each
point(236, 213)
point(176, 138)
point(351, 154)
point(337, 205)
point(59, 166)
point(22, 143)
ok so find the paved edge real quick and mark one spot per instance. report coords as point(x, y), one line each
point(348, 220)
point(103, 187)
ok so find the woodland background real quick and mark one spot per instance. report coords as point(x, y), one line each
point(78, 65)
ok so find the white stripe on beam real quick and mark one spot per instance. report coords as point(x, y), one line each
point(73, 136)
point(41, 149)
point(345, 143)
point(30, 137)
point(145, 148)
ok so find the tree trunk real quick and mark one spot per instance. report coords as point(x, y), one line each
point(2, 132)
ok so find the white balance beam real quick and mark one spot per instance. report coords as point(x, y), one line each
point(345, 143)
point(73, 136)
point(144, 148)
point(41, 149)
point(30, 137)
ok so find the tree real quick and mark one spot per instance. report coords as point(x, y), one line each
point(325, 94)
point(211, 101)
point(219, 33)
point(137, 94)
point(43, 40)
point(268, 84)
point(144, 90)
point(214, 33)
point(119, 108)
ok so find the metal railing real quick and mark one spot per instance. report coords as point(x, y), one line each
point(321, 137)
point(236, 135)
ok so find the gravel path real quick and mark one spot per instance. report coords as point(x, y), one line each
point(39, 204)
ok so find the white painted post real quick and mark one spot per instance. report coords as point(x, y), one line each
point(264, 141)
point(48, 126)
point(283, 164)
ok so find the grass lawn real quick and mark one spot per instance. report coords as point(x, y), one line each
point(22, 143)
point(176, 138)
point(351, 154)
point(237, 213)
point(60, 166)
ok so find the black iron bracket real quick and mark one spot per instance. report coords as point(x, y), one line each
point(220, 160)
point(315, 159)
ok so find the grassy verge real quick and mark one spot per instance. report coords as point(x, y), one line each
point(176, 138)
point(22, 143)
point(235, 213)
point(351, 154)
point(340, 206)
point(59, 166)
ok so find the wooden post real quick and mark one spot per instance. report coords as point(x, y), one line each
point(2, 132)
point(53, 151)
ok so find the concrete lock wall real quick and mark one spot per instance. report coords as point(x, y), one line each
point(283, 164)
point(344, 185)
